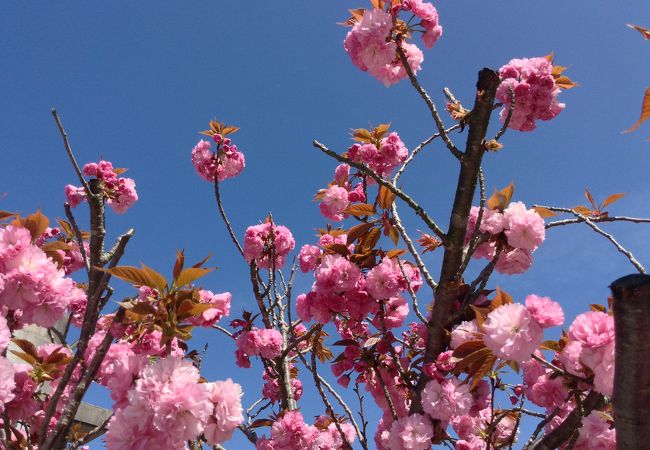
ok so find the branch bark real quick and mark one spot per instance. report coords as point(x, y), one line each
point(449, 285)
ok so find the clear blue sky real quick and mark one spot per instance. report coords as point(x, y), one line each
point(135, 81)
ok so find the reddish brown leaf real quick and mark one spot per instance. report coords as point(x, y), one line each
point(27, 347)
point(385, 197)
point(369, 240)
point(429, 242)
point(590, 198)
point(339, 249)
point(55, 245)
point(467, 348)
point(613, 198)
point(544, 213)
point(357, 231)
point(395, 252)
point(585, 211)
point(360, 210)
point(4, 215)
point(597, 307)
point(178, 264)
point(191, 274)
point(36, 223)
point(645, 112)
point(133, 275)
point(550, 345)
point(501, 199)
point(644, 31)
point(564, 82)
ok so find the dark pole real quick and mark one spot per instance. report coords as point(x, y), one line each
point(631, 398)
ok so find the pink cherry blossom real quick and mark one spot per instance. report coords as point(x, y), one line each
point(220, 308)
point(443, 400)
point(227, 412)
point(511, 332)
point(545, 311)
point(334, 202)
point(514, 262)
point(535, 92)
point(7, 383)
point(413, 432)
point(592, 329)
point(308, 257)
point(524, 227)
point(259, 239)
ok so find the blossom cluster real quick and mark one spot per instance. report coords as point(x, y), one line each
point(290, 432)
point(264, 342)
point(226, 162)
point(519, 231)
point(168, 405)
point(32, 289)
point(340, 288)
point(373, 41)
point(268, 245)
point(119, 192)
point(532, 82)
point(339, 194)
point(382, 158)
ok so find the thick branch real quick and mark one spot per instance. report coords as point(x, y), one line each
point(563, 432)
point(449, 285)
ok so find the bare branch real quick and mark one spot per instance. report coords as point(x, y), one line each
point(430, 104)
point(417, 149)
point(637, 265)
point(222, 211)
point(68, 149)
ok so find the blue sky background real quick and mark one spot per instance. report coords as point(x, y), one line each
point(135, 81)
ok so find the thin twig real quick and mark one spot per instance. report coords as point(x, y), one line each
point(416, 150)
point(597, 220)
point(506, 122)
point(68, 149)
point(326, 402)
point(637, 265)
point(78, 236)
point(397, 222)
point(398, 192)
point(430, 104)
point(416, 307)
point(222, 211)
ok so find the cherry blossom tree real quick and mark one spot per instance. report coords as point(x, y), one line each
point(435, 354)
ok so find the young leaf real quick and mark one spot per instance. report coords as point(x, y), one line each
point(613, 198)
point(36, 223)
point(583, 210)
point(590, 198)
point(645, 112)
point(360, 210)
point(385, 197)
point(501, 199)
point(187, 276)
point(178, 264)
point(158, 280)
point(395, 252)
point(564, 82)
point(4, 215)
point(133, 275)
point(544, 212)
point(357, 231)
point(644, 31)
